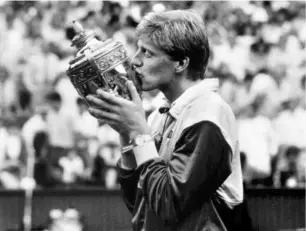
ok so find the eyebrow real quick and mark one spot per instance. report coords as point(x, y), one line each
point(147, 48)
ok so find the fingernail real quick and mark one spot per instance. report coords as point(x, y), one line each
point(99, 91)
point(128, 82)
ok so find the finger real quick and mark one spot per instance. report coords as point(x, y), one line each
point(103, 115)
point(134, 94)
point(96, 102)
point(109, 97)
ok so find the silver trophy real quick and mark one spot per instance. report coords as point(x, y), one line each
point(99, 64)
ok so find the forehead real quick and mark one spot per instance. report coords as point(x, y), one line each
point(147, 43)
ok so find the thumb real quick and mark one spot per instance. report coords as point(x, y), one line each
point(133, 92)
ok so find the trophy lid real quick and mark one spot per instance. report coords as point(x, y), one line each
point(82, 37)
point(85, 39)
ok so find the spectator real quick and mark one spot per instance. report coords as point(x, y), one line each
point(88, 125)
point(258, 54)
point(40, 71)
point(233, 54)
point(12, 165)
point(288, 174)
point(68, 93)
point(10, 177)
point(290, 123)
point(4, 75)
point(258, 142)
point(98, 169)
point(43, 174)
point(36, 123)
point(73, 167)
point(287, 51)
point(61, 128)
point(87, 128)
point(104, 170)
point(274, 87)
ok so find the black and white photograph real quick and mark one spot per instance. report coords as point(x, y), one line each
point(125, 115)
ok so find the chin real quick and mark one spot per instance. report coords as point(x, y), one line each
point(147, 88)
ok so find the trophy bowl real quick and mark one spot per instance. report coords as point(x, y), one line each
point(98, 64)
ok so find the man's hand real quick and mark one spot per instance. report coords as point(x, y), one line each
point(127, 117)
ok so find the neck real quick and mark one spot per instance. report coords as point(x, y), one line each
point(178, 87)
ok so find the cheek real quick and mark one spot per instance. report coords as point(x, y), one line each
point(159, 69)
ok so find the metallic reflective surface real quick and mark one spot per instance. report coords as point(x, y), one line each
point(98, 65)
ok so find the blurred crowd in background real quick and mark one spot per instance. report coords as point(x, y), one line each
point(258, 54)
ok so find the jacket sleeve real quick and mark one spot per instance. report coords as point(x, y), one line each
point(198, 167)
point(128, 179)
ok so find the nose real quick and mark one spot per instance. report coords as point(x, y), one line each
point(136, 61)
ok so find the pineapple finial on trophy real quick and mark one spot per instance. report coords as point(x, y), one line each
point(78, 28)
point(83, 37)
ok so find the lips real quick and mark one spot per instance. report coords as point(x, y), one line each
point(138, 77)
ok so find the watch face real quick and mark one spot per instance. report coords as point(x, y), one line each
point(141, 139)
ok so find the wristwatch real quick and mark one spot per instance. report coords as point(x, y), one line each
point(138, 140)
point(141, 139)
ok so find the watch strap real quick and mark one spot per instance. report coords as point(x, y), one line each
point(132, 144)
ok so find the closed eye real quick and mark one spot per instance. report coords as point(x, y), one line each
point(146, 52)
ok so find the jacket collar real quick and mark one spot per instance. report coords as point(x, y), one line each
point(211, 84)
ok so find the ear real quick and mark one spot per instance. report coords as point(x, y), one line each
point(182, 65)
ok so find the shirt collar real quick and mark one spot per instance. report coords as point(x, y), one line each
point(211, 84)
